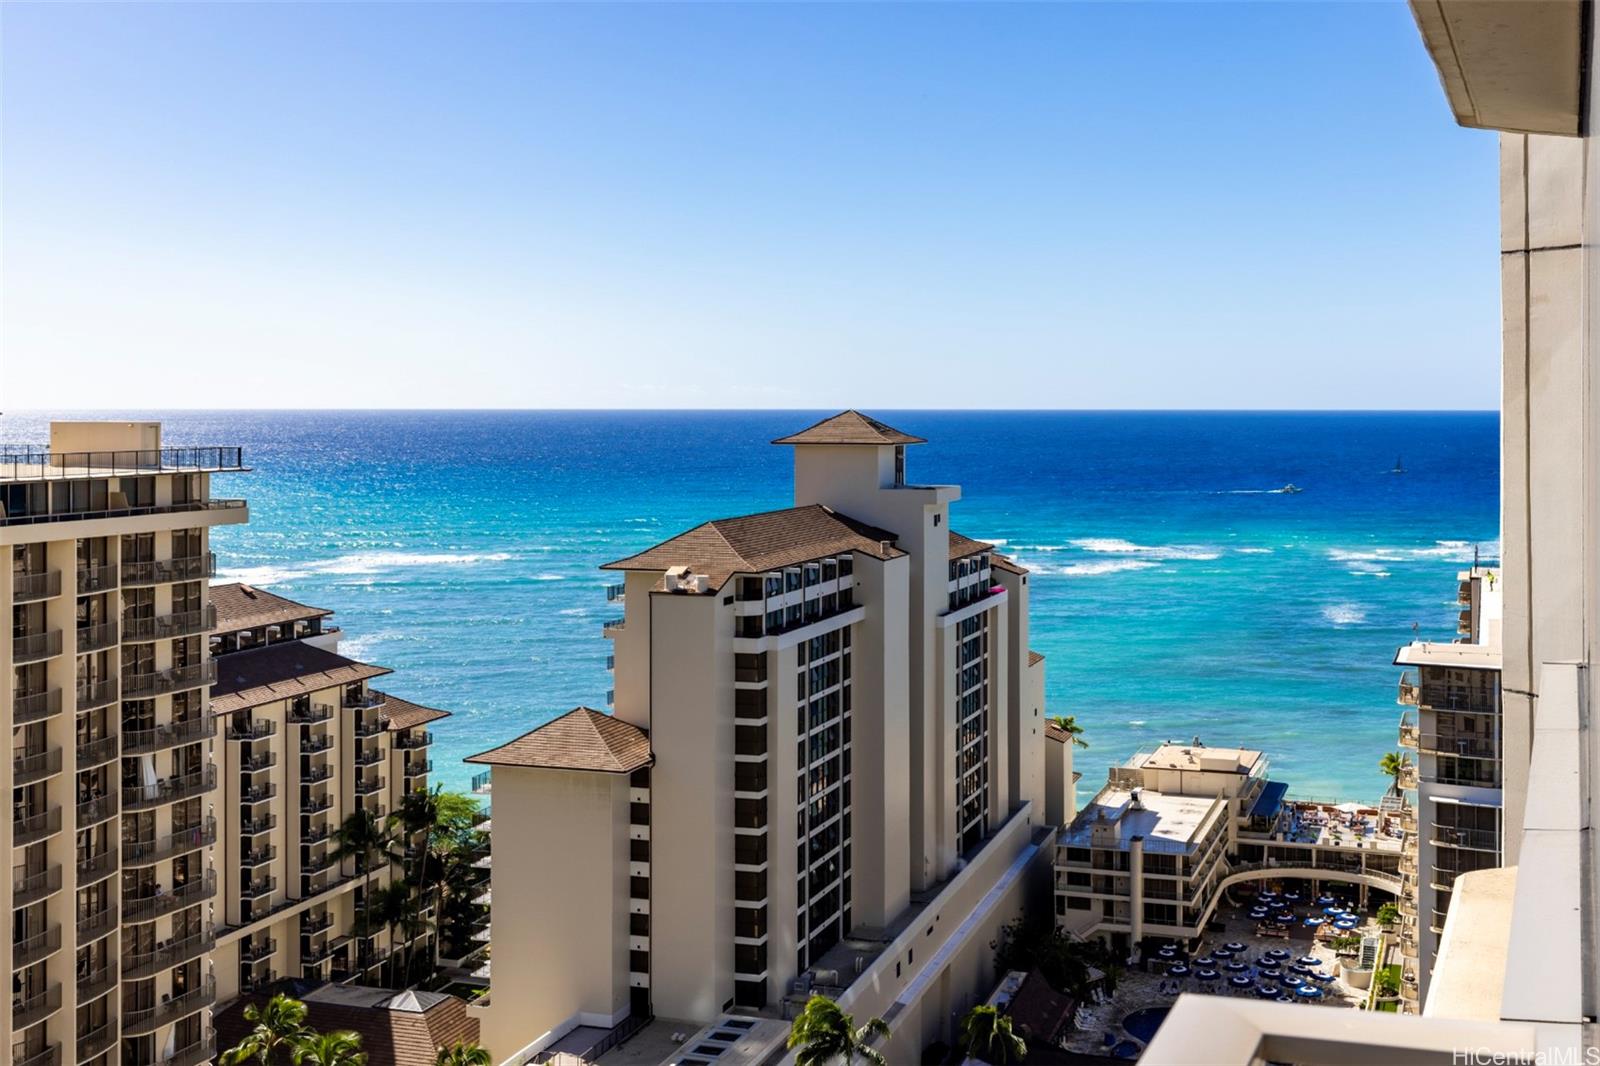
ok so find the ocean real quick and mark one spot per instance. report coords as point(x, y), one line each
point(1178, 594)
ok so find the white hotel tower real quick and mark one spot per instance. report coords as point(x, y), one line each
point(828, 752)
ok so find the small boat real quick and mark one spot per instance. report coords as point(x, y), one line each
point(1291, 488)
point(1399, 467)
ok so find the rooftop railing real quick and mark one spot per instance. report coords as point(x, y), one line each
point(41, 464)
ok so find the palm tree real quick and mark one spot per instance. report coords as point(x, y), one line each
point(339, 1048)
point(986, 1034)
point(1392, 763)
point(823, 1033)
point(468, 1054)
point(364, 838)
point(279, 1023)
point(1068, 723)
point(418, 813)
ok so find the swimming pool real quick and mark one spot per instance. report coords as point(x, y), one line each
point(1144, 1023)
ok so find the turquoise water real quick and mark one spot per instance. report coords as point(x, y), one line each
point(1176, 594)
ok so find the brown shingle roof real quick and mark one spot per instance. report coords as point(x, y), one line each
point(1010, 566)
point(754, 544)
point(581, 739)
point(1039, 1011)
point(402, 1029)
point(961, 547)
point(1056, 733)
point(1034, 658)
point(849, 427)
point(403, 714)
point(241, 606)
point(279, 671)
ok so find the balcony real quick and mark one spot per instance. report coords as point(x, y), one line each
point(40, 706)
point(257, 887)
point(312, 956)
point(97, 638)
point(1408, 729)
point(410, 739)
point(369, 786)
point(315, 804)
point(32, 828)
point(257, 826)
point(96, 579)
point(315, 745)
point(258, 856)
point(94, 1042)
point(32, 1011)
point(316, 834)
point(1466, 746)
point(161, 627)
point(612, 627)
point(368, 758)
point(97, 694)
point(312, 924)
point(31, 887)
point(173, 679)
point(178, 842)
point(166, 571)
point(313, 867)
point(1448, 836)
point(367, 728)
point(258, 793)
point(363, 701)
point(418, 767)
point(171, 735)
point(152, 905)
point(259, 983)
point(148, 1020)
point(169, 790)
point(313, 715)
point(39, 464)
point(258, 951)
point(316, 775)
point(95, 751)
point(96, 983)
point(41, 945)
point(1407, 778)
point(201, 1049)
point(483, 782)
point(167, 955)
point(96, 867)
point(35, 647)
point(48, 1055)
point(92, 812)
point(259, 729)
point(45, 585)
point(35, 766)
point(93, 925)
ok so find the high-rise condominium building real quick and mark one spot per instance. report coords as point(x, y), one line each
point(1452, 691)
point(826, 770)
point(163, 865)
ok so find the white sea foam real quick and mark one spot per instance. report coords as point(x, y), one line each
point(1253, 551)
point(373, 562)
point(1344, 614)
point(1455, 551)
point(550, 577)
point(1108, 566)
point(261, 575)
point(1118, 546)
point(1137, 723)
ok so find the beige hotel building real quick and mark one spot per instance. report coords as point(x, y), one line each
point(825, 771)
point(180, 756)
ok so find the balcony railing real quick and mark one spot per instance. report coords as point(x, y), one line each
point(94, 811)
point(258, 793)
point(169, 790)
point(40, 706)
point(312, 924)
point(259, 856)
point(259, 729)
point(101, 578)
point(316, 775)
point(26, 769)
point(1462, 699)
point(36, 646)
point(152, 905)
point(165, 571)
point(313, 715)
point(41, 586)
point(148, 963)
point(96, 983)
point(257, 763)
point(97, 694)
point(411, 739)
point(24, 518)
point(417, 767)
point(366, 729)
point(315, 804)
point(93, 751)
point(1469, 746)
point(94, 1042)
point(96, 866)
point(48, 1055)
point(160, 627)
point(258, 950)
point(41, 945)
point(612, 626)
point(173, 679)
point(201, 1049)
point(178, 842)
point(315, 745)
point(257, 826)
point(363, 701)
point(368, 758)
point(97, 638)
point(148, 1020)
point(1474, 839)
point(367, 786)
point(35, 1009)
point(32, 828)
point(92, 925)
point(170, 735)
point(41, 464)
point(255, 888)
point(29, 888)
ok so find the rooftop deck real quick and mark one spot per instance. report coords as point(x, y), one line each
point(41, 464)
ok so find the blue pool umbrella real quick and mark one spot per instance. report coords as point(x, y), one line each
point(1333, 910)
point(1309, 960)
point(1167, 952)
point(1278, 953)
point(1320, 977)
point(1267, 893)
point(1292, 897)
point(1293, 982)
point(1205, 960)
point(1285, 998)
point(1346, 923)
point(1325, 899)
point(1301, 968)
point(1312, 923)
point(1234, 946)
point(1179, 970)
point(1234, 966)
point(1223, 953)
point(1206, 975)
point(1258, 915)
point(1308, 992)
point(1240, 982)
point(1267, 991)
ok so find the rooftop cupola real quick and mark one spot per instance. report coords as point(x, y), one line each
point(849, 452)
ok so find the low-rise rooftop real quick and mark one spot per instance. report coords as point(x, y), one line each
point(397, 713)
point(1200, 757)
point(281, 671)
point(581, 739)
point(1166, 822)
point(241, 606)
point(850, 427)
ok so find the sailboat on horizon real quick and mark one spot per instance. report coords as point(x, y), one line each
point(1399, 467)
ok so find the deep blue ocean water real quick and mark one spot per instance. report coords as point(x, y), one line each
point(1176, 594)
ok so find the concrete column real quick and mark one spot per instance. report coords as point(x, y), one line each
point(1136, 892)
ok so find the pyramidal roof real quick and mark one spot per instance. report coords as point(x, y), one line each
point(850, 427)
point(581, 739)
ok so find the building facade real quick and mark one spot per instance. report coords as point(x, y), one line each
point(165, 857)
point(822, 716)
point(1454, 780)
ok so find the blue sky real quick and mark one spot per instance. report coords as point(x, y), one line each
point(1188, 205)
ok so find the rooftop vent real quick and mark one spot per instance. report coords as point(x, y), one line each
point(1136, 800)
